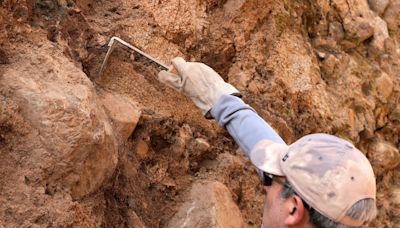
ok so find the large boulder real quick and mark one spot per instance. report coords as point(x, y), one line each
point(70, 146)
point(209, 205)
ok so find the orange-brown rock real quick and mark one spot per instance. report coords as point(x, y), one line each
point(304, 66)
point(383, 156)
point(209, 204)
point(64, 147)
point(123, 113)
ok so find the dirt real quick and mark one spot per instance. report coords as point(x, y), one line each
point(305, 66)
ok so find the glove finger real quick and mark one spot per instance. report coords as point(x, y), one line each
point(179, 63)
point(170, 79)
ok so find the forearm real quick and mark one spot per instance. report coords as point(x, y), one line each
point(243, 123)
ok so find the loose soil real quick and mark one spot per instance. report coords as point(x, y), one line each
point(279, 54)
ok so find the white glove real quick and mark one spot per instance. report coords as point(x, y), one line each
point(198, 81)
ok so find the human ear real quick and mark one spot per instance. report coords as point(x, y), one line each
point(295, 211)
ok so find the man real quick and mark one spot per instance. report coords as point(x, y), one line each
point(318, 181)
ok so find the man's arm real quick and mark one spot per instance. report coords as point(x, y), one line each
point(209, 91)
point(242, 122)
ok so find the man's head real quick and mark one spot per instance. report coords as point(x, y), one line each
point(319, 177)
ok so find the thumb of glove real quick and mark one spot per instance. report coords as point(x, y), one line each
point(172, 80)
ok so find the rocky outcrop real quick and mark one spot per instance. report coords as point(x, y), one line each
point(64, 144)
point(209, 204)
point(305, 66)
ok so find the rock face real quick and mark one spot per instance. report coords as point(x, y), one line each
point(209, 204)
point(74, 152)
point(124, 114)
point(64, 143)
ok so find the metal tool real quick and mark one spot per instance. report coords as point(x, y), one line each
point(111, 46)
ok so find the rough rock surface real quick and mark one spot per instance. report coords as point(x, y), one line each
point(124, 114)
point(209, 204)
point(305, 66)
point(55, 139)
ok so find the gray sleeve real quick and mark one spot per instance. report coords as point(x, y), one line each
point(243, 123)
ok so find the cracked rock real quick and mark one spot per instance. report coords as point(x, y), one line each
point(378, 6)
point(209, 205)
point(124, 114)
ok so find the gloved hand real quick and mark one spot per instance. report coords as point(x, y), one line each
point(198, 81)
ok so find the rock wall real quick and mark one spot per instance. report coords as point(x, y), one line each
point(56, 142)
point(120, 149)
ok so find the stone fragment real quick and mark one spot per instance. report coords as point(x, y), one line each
point(335, 66)
point(361, 23)
point(329, 64)
point(201, 145)
point(391, 49)
point(358, 28)
point(336, 31)
point(354, 125)
point(321, 54)
point(378, 6)
point(133, 220)
point(381, 116)
point(100, 40)
point(392, 15)
point(209, 205)
point(384, 87)
point(381, 33)
point(142, 149)
point(383, 156)
point(123, 113)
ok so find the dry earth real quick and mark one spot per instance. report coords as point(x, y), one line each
point(121, 150)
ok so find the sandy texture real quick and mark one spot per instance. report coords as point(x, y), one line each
point(209, 205)
point(67, 159)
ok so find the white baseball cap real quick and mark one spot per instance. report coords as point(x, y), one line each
point(327, 172)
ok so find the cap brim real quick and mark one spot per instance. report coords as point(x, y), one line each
point(267, 155)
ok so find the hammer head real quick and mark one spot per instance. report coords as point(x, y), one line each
point(111, 46)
